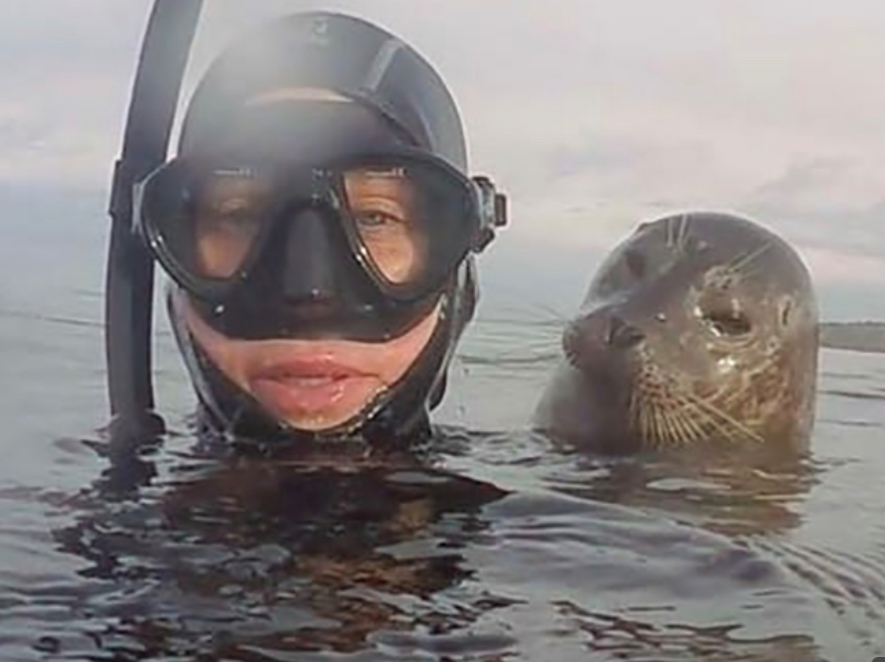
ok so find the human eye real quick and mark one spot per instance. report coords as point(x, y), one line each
point(230, 217)
point(240, 219)
point(374, 219)
point(379, 215)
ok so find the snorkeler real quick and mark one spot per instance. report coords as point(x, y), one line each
point(319, 228)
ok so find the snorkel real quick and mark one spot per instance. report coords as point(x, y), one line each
point(130, 268)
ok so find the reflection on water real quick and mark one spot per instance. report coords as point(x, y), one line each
point(736, 494)
point(260, 554)
point(255, 559)
point(494, 548)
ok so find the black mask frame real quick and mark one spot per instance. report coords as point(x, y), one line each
point(458, 217)
point(461, 216)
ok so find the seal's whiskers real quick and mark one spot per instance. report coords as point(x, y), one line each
point(725, 422)
point(682, 238)
point(660, 413)
point(672, 427)
point(712, 423)
point(660, 424)
point(664, 414)
point(670, 241)
point(691, 422)
point(637, 414)
point(689, 428)
point(739, 265)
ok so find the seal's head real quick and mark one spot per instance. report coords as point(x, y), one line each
point(698, 327)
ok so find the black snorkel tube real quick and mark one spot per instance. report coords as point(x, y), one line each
point(130, 269)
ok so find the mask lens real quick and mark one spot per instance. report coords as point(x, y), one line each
point(228, 208)
point(411, 218)
point(206, 220)
point(383, 203)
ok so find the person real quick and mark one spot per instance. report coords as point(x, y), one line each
point(320, 228)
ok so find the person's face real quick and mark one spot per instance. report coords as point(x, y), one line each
point(312, 384)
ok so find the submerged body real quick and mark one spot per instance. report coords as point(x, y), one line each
point(698, 328)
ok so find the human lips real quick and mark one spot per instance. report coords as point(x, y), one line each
point(308, 387)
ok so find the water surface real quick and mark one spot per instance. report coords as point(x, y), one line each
point(494, 547)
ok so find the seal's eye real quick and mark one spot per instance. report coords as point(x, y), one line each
point(728, 323)
point(636, 263)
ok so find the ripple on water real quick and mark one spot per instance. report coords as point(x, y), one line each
point(851, 585)
point(561, 558)
point(265, 561)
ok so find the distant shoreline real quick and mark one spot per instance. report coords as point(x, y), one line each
point(854, 336)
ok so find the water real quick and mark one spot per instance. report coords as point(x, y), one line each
point(493, 548)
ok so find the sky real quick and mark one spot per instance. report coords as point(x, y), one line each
point(592, 115)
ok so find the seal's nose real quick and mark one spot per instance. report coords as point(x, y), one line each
point(623, 335)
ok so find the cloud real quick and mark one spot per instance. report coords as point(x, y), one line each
point(840, 267)
point(825, 200)
point(66, 76)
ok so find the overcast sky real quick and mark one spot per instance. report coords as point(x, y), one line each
point(593, 114)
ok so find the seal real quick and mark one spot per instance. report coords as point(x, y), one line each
point(699, 328)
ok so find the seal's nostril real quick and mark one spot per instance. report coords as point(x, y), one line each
point(623, 335)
